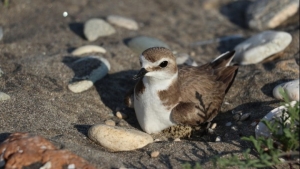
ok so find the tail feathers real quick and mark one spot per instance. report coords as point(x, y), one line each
point(227, 75)
point(222, 60)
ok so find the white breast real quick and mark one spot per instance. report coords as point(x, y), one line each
point(152, 115)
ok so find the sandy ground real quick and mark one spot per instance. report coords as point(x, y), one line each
point(35, 54)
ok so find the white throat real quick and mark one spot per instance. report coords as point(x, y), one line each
point(159, 84)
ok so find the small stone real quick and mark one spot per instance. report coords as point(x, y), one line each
point(253, 124)
point(185, 59)
point(141, 43)
point(268, 14)
point(71, 166)
point(236, 117)
point(121, 115)
point(218, 139)
point(261, 46)
point(123, 22)
point(177, 139)
point(80, 86)
point(213, 126)
point(157, 140)
point(245, 116)
point(154, 154)
point(1, 32)
point(118, 138)
point(88, 49)
point(95, 28)
point(4, 96)
point(46, 166)
point(281, 160)
point(261, 130)
point(228, 124)
point(210, 131)
point(239, 123)
point(290, 88)
point(110, 122)
point(234, 128)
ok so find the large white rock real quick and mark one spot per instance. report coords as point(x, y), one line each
point(261, 46)
point(95, 28)
point(88, 49)
point(291, 88)
point(262, 130)
point(123, 22)
point(117, 138)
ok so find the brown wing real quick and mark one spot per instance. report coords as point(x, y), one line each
point(202, 91)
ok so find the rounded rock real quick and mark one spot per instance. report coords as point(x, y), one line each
point(121, 115)
point(4, 96)
point(141, 43)
point(290, 88)
point(213, 126)
point(261, 46)
point(245, 116)
point(95, 28)
point(261, 130)
point(154, 154)
point(268, 14)
point(118, 138)
point(218, 139)
point(110, 123)
point(123, 22)
point(88, 49)
point(228, 124)
point(80, 86)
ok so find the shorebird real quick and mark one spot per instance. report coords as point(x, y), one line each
point(166, 94)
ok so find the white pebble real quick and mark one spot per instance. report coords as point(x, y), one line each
point(123, 22)
point(291, 88)
point(261, 129)
point(245, 116)
point(261, 46)
point(45, 166)
point(88, 49)
point(118, 138)
point(213, 126)
point(234, 128)
point(71, 166)
point(154, 154)
point(177, 139)
point(228, 124)
point(121, 115)
point(4, 96)
point(80, 86)
point(95, 28)
point(218, 139)
point(110, 122)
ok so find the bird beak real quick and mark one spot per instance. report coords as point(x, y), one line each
point(141, 73)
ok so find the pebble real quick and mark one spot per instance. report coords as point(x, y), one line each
point(71, 166)
point(123, 22)
point(228, 124)
point(48, 165)
point(268, 14)
point(118, 138)
point(236, 117)
point(291, 88)
point(80, 86)
point(213, 126)
point(260, 46)
point(218, 139)
point(110, 123)
point(261, 129)
point(245, 116)
point(185, 59)
point(1, 32)
point(141, 43)
point(154, 154)
point(234, 128)
point(89, 70)
point(253, 124)
point(121, 115)
point(177, 139)
point(95, 28)
point(4, 96)
point(88, 49)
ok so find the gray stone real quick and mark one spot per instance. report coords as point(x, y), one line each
point(117, 138)
point(141, 43)
point(268, 14)
point(95, 28)
point(291, 88)
point(123, 22)
point(183, 58)
point(4, 96)
point(88, 70)
point(261, 46)
point(1, 72)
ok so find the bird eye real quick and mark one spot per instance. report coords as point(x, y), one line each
point(163, 64)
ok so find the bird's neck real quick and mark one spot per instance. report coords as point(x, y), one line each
point(160, 84)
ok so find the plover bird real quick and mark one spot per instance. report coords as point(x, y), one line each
point(166, 95)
